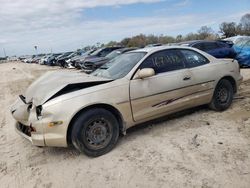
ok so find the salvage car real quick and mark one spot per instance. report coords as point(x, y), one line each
point(102, 52)
point(218, 49)
point(77, 59)
point(242, 48)
point(51, 61)
point(58, 59)
point(89, 111)
point(94, 63)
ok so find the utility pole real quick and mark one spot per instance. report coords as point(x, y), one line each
point(36, 50)
point(4, 52)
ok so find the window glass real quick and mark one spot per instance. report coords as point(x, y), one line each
point(164, 61)
point(199, 46)
point(223, 45)
point(210, 46)
point(194, 59)
point(119, 66)
point(105, 52)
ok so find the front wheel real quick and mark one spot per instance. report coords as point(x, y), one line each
point(95, 132)
point(223, 96)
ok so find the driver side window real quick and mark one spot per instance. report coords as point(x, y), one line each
point(164, 61)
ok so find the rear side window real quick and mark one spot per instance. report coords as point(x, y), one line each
point(199, 46)
point(105, 52)
point(194, 59)
point(223, 45)
point(210, 46)
point(164, 61)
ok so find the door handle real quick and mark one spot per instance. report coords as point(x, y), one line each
point(187, 78)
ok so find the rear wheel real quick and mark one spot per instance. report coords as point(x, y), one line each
point(223, 96)
point(95, 132)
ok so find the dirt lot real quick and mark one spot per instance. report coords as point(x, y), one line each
point(197, 148)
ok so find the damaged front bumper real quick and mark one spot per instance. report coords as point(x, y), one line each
point(27, 123)
point(41, 127)
point(23, 130)
point(30, 133)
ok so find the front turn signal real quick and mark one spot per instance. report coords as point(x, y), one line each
point(55, 123)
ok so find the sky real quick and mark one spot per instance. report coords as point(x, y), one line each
point(65, 25)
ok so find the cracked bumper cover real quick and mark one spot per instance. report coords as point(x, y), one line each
point(26, 132)
point(23, 125)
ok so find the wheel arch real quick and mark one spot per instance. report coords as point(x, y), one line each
point(232, 81)
point(108, 107)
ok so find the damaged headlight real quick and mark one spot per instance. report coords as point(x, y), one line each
point(39, 111)
point(29, 107)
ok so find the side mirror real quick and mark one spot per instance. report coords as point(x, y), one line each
point(144, 73)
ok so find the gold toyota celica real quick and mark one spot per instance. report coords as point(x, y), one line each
point(89, 111)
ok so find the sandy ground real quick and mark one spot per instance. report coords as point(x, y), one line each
point(197, 148)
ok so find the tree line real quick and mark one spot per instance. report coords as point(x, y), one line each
point(226, 29)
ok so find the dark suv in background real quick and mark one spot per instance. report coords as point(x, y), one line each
point(102, 52)
point(218, 49)
point(92, 64)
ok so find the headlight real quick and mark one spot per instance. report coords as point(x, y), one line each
point(29, 107)
point(39, 111)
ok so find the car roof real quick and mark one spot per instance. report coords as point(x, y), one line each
point(123, 50)
point(158, 48)
point(196, 41)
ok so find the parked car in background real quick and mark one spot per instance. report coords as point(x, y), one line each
point(51, 60)
point(44, 59)
point(13, 58)
point(36, 59)
point(89, 111)
point(153, 45)
point(3, 59)
point(66, 62)
point(74, 61)
point(102, 52)
point(60, 59)
point(217, 49)
point(28, 59)
point(93, 63)
point(242, 48)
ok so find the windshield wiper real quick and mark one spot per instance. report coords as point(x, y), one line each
point(104, 68)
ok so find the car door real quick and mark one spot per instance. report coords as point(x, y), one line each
point(203, 74)
point(165, 91)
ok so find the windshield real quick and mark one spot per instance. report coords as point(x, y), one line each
point(241, 42)
point(96, 52)
point(119, 66)
point(113, 54)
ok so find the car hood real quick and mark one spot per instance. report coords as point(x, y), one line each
point(52, 83)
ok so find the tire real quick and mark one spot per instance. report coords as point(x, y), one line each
point(95, 132)
point(223, 96)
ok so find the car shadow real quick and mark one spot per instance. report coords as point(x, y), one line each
point(71, 152)
point(158, 121)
